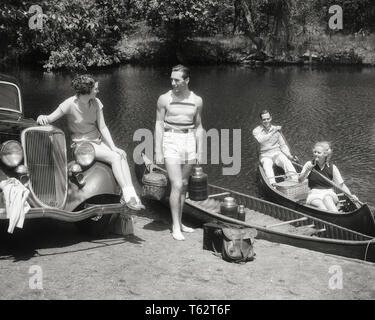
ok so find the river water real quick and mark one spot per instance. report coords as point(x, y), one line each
point(311, 104)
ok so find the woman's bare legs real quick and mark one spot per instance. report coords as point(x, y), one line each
point(326, 204)
point(330, 203)
point(120, 169)
point(319, 204)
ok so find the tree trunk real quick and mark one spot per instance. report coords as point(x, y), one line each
point(177, 42)
point(237, 15)
point(280, 32)
point(250, 32)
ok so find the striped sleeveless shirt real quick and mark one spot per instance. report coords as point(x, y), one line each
point(180, 114)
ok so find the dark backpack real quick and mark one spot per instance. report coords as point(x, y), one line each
point(234, 243)
point(238, 244)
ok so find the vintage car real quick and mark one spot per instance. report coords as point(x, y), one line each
point(83, 191)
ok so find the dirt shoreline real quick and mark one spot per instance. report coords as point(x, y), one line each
point(151, 265)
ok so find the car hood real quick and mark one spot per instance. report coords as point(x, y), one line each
point(14, 123)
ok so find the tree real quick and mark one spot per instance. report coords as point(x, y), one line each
point(177, 20)
point(267, 21)
point(250, 30)
point(75, 33)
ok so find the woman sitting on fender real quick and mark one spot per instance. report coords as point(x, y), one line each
point(86, 123)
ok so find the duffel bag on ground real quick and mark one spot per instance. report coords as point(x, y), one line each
point(233, 242)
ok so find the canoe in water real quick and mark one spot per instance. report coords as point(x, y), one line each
point(358, 219)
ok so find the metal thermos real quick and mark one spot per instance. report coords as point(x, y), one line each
point(229, 207)
point(198, 185)
point(241, 215)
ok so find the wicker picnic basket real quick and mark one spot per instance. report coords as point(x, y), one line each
point(154, 185)
point(294, 190)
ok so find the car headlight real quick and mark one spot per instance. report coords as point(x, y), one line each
point(11, 153)
point(84, 154)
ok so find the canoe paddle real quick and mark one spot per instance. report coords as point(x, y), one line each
point(295, 158)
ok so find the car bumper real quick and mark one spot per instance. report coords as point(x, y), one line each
point(68, 216)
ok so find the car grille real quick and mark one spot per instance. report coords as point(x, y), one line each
point(45, 157)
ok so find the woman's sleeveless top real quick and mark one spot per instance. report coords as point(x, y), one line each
point(82, 122)
point(316, 181)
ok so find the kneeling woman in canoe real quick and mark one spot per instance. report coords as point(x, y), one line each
point(318, 171)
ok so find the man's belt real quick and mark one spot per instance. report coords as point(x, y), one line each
point(178, 130)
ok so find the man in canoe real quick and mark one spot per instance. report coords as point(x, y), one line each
point(273, 148)
point(179, 140)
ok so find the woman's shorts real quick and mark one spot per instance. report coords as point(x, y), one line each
point(319, 194)
point(76, 142)
point(180, 146)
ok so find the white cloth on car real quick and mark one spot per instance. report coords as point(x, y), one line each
point(16, 205)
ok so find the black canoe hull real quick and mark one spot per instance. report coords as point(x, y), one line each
point(334, 240)
point(360, 219)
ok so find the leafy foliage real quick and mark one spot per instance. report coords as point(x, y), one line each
point(357, 15)
point(75, 33)
point(179, 19)
point(81, 34)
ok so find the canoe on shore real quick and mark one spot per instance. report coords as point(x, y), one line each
point(294, 197)
point(279, 224)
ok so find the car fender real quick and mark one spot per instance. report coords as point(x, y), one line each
point(99, 180)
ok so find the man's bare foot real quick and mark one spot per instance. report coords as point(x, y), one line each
point(186, 229)
point(177, 235)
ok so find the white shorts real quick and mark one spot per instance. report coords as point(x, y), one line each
point(181, 146)
point(319, 194)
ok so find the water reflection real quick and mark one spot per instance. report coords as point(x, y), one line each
point(311, 104)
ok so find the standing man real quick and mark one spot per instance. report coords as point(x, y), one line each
point(179, 140)
point(273, 148)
